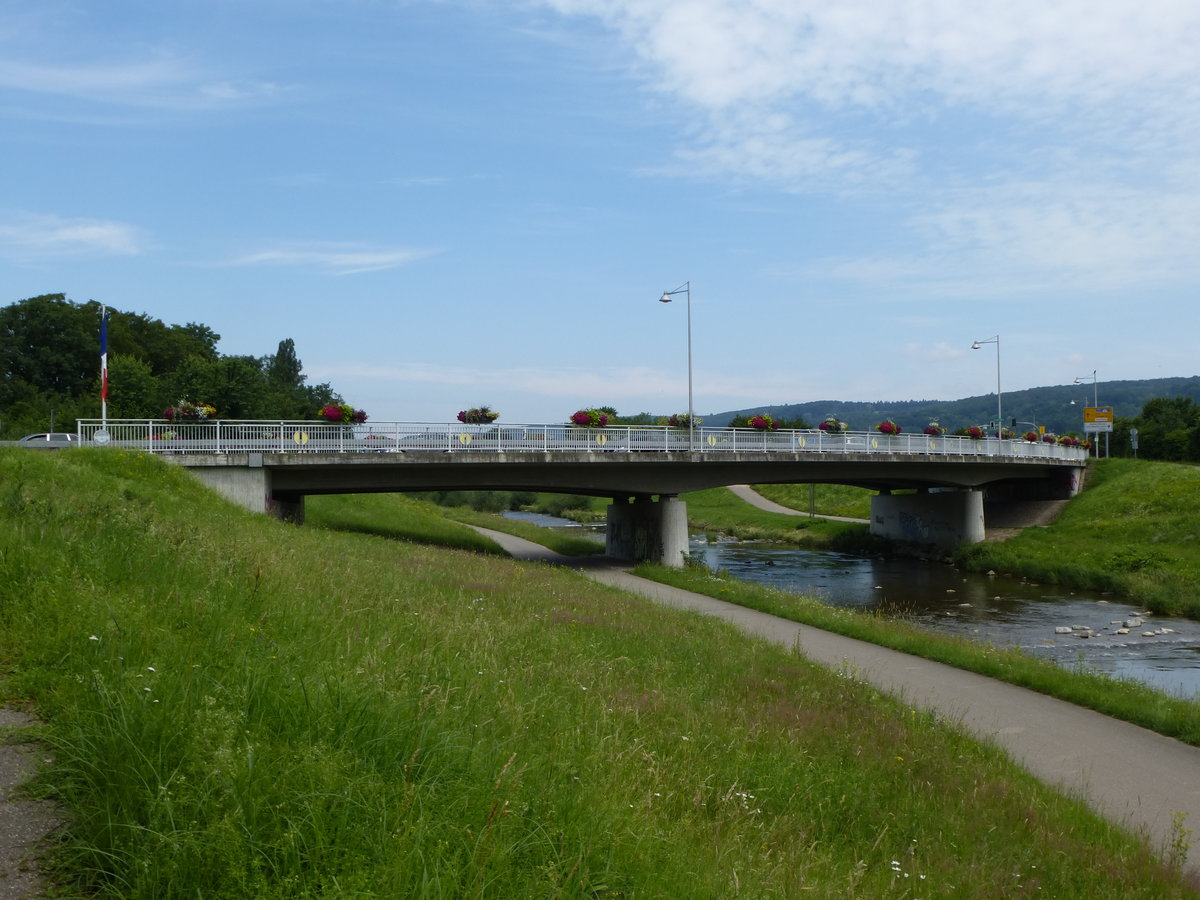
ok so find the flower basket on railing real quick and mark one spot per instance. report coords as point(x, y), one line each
point(683, 420)
point(1049, 438)
point(589, 418)
point(973, 431)
point(1068, 441)
point(934, 429)
point(832, 426)
point(186, 411)
point(341, 414)
point(763, 422)
point(1032, 436)
point(887, 426)
point(478, 415)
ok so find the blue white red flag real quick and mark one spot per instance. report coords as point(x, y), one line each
point(104, 353)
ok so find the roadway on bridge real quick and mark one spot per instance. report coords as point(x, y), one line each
point(1132, 776)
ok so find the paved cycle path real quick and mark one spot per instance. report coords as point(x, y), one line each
point(1128, 774)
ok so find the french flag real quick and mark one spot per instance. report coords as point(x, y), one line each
point(104, 353)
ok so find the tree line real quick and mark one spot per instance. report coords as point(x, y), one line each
point(1168, 429)
point(50, 369)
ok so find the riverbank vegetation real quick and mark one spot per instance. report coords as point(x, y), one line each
point(1134, 530)
point(239, 707)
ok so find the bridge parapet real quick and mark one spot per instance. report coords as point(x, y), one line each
point(283, 436)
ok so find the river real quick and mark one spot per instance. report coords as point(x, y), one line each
point(999, 609)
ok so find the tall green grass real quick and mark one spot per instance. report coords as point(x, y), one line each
point(1134, 530)
point(243, 708)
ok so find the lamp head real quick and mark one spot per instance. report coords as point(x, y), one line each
point(1079, 381)
point(665, 298)
point(975, 346)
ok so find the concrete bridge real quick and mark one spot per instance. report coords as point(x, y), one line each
point(271, 466)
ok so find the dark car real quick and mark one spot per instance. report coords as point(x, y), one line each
point(52, 440)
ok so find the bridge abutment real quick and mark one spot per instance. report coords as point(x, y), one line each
point(943, 518)
point(250, 486)
point(648, 531)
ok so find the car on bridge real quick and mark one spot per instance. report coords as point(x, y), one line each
point(50, 440)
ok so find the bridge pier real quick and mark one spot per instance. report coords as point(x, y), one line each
point(647, 531)
point(943, 519)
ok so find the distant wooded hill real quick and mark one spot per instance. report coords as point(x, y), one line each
point(1059, 408)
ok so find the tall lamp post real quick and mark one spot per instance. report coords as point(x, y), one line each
point(1095, 395)
point(1095, 403)
point(686, 288)
point(999, 397)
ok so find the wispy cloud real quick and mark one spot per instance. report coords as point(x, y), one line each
point(1021, 240)
point(334, 258)
point(30, 237)
point(810, 92)
point(160, 81)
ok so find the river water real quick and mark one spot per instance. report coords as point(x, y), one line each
point(999, 609)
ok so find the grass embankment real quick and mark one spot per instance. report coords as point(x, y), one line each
point(1134, 530)
point(397, 516)
point(241, 708)
point(1124, 699)
point(823, 499)
point(1120, 698)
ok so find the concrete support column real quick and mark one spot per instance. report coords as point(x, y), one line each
point(943, 519)
point(647, 531)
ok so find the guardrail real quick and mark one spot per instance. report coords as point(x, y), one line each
point(279, 436)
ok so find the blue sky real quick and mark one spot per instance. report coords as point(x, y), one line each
point(462, 202)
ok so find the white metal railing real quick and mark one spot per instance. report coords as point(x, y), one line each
point(281, 436)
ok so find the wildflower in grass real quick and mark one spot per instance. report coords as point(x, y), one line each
point(93, 638)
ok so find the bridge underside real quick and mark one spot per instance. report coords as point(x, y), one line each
point(278, 483)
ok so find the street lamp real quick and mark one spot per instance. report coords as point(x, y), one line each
point(999, 397)
point(686, 288)
point(1095, 395)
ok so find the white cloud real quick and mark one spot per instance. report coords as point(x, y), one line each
point(334, 258)
point(26, 236)
point(717, 53)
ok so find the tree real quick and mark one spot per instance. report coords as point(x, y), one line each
point(47, 345)
point(134, 392)
point(284, 368)
point(1168, 430)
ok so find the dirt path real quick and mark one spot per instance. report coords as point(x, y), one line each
point(25, 823)
point(1135, 777)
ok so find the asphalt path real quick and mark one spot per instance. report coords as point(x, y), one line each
point(754, 498)
point(1128, 774)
